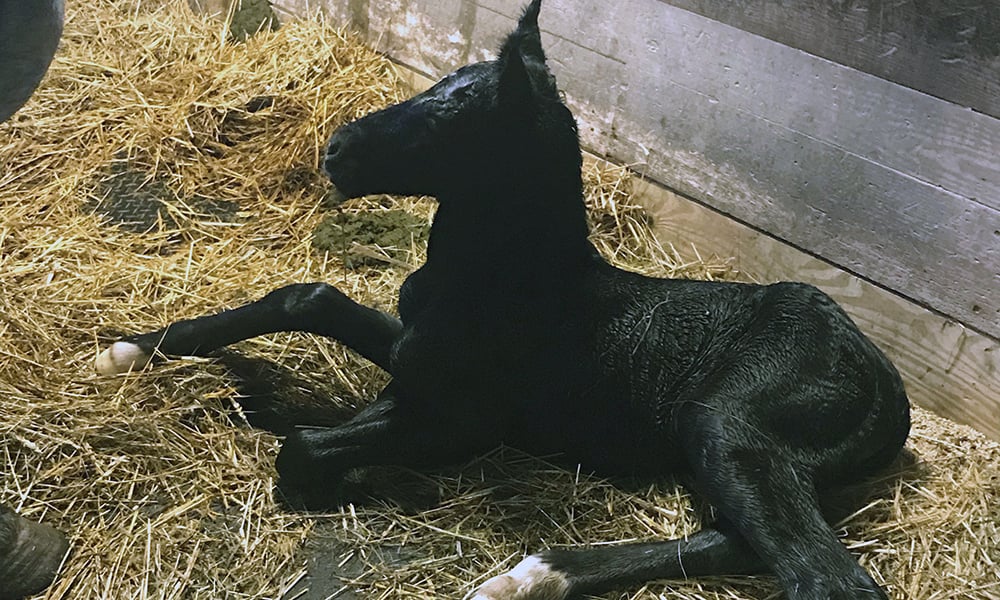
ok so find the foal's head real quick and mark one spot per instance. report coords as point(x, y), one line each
point(490, 127)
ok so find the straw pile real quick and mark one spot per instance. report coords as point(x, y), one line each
point(163, 489)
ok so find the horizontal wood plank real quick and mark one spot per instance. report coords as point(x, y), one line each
point(933, 141)
point(948, 50)
point(932, 246)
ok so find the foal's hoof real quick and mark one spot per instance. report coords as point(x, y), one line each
point(122, 357)
point(854, 585)
point(531, 579)
point(30, 555)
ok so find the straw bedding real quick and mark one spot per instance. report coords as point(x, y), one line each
point(164, 489)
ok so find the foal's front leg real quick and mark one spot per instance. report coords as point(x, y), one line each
point(313, 308)
point(393, 430)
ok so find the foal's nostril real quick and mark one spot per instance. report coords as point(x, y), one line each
point(342, 161)
point(332, 148)
point(338, 159)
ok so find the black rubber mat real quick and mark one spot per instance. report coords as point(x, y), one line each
point(131, 199)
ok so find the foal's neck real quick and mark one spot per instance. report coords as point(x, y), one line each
point(517, 230)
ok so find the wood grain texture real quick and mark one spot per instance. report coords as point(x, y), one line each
point(935, 142)
point(950, 50)
point(947, 368)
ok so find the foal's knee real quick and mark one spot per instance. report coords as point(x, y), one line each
point(308, 474)
point(300, 461)
point(304, 299)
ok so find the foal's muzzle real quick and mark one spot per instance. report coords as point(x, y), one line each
point(339, 165)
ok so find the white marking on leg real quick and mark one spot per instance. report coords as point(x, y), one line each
point(121, 357)
point(531, 579)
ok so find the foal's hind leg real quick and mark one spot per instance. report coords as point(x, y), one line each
point(314, 308)
point(773, 524)
point(558, 574)
point(773, 504)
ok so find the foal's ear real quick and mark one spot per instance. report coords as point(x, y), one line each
point(527, 35)
point(515, 92)
point(524, 44)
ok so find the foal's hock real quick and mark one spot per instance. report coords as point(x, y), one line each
point(515, 331)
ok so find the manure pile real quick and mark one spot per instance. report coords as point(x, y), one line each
point(162, 172)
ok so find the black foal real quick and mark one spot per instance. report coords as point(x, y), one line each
point(515, 331)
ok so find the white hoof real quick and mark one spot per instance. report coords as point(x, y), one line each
point(531, 579)
point(121, 357)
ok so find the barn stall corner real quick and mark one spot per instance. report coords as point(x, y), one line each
point(163, 171)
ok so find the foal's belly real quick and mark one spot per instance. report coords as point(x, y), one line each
point(601, 433)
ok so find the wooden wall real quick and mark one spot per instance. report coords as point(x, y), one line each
point(861, 135)
point(946, 49)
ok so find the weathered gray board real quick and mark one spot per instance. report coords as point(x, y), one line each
point(889, 183)
point(947, 49)
point(754, 127)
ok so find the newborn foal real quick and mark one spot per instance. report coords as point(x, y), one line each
point(515, 331)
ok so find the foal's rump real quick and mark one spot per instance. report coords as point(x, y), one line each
point(781, 365)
